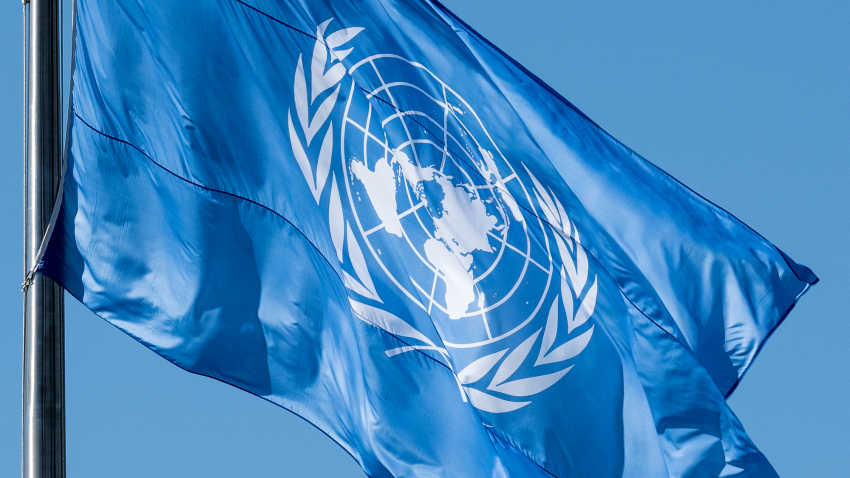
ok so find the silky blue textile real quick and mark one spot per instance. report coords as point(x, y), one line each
point(369, 215)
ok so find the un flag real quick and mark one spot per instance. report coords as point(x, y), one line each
point(372, 217)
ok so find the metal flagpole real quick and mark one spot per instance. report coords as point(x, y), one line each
point(43, 430)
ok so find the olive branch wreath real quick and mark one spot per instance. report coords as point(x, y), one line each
point(326, 72)
point(326, 52)
point(574, 279)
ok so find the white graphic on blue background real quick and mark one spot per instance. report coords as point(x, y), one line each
point(461, 223)
point(426, 204)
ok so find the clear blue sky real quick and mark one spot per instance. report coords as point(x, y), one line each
point(748, 103)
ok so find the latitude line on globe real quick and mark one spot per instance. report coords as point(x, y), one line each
point(400, 113)
point(417, 141)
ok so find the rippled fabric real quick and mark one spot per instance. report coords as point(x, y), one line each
point(370, 216)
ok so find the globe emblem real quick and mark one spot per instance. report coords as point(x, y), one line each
point(433, 227)
point(435, 203)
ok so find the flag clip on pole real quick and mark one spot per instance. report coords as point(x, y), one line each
point(43, 421)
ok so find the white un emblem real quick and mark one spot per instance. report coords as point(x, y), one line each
point(427, 206)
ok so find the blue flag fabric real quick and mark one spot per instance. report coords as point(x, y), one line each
point(369, 215)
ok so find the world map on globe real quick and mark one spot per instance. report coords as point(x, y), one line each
point(460, 215)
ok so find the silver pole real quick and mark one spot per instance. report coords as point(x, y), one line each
point(43, 433)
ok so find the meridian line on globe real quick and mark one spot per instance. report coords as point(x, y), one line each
point(444, 146)
point(431, 302)
point(385, 145)
point(433, 289)
point(446, 139)
point(486, 326)
point(395, 105)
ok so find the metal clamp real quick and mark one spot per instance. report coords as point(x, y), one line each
point(28, 281)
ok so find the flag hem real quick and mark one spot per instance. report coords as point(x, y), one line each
point(798, 269)
point(340, 444)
